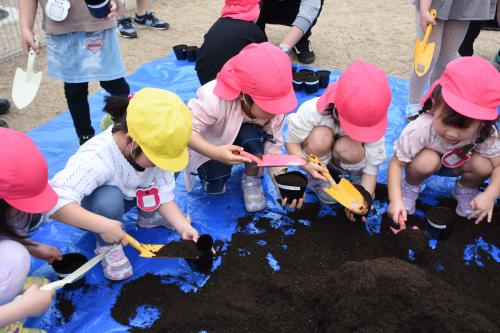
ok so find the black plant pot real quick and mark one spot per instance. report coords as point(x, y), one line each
point(311, 83)
point(98, 8)
point(298, 81)
point(291, 185)
point(191, 53)
point(306, 72)
point(324, 78)
point(440, 222)
point(180, 51)
point(70, 263)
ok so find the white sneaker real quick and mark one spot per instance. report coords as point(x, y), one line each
point(115, 263)
point(152, 220)
point(253, 194)
point(317, 187)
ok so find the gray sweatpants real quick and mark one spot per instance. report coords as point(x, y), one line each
point(447, 36)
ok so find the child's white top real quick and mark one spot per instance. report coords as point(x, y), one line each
point(420, 134)
point(302, 122)
point(100, 162)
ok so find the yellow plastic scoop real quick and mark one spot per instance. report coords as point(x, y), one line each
point(145, 250)
point(344, 192)
point(422, 56)
point(202, 246)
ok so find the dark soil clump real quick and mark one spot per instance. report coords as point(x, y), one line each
point(183, 249)
point(66, 308)
point(315, 271)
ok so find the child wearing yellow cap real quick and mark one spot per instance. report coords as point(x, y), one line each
point(131, 163)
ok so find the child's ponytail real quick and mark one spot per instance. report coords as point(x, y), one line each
point(116, 107)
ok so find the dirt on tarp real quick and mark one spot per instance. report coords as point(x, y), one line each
point(66, 308)
point(321, 273)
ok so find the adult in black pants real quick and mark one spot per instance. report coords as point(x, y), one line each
point(301, 16)
point(467, 47)
point(234, 30)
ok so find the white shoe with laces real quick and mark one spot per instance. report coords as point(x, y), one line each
point(253, 194)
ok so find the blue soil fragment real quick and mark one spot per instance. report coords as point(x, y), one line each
point(145, 316)
point(273, 262)
point(471, 252)
point(411, 255)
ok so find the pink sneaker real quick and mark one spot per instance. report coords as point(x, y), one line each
point(115, 264)
point(464, 196)
point(152, 220)
point(409, 194)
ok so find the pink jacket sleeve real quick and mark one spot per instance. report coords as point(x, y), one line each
point(205, 108)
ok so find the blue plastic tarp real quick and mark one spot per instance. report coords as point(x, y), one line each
point(215, 215)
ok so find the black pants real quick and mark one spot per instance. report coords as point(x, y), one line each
point(284, 13)
point(467, 47)
point(78, 104)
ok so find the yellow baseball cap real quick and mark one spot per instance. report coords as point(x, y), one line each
point(160, 123)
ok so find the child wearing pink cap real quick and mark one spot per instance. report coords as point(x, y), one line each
point(243, 109)
point(448, 32)
point(455, 132)
point(345, 128)
point(24, 191)
point(234, 30)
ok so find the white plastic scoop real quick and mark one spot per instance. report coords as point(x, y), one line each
point(26, 83)
point(56, 285)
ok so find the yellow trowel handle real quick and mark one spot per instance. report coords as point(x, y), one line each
point(135, 244)
point(314, 159)
point(428, 29)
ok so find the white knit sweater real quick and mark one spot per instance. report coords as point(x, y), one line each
point(100, 162)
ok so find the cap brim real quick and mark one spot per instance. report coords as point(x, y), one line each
point(40, 203)
point(365, 134)
point(281, 105)
point(467, 108)
point(174, 164)
point(327, 98)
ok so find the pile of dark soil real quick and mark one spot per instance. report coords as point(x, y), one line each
point(331, 275)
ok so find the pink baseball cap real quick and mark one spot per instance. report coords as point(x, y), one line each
point(471, 87)
point(261, 71)
point(24, 174)
point(246, 10)
point(362, 97)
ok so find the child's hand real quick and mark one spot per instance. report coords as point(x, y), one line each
point(190, 233)
point(28, 40)
point(229, 154)
point(315, 171)
point(483, 206)
point(295, 204)
point(396, 208)
point(113, 232)
point(46, 252)
point(425, 19)
point(36, 301)
point(112, 9)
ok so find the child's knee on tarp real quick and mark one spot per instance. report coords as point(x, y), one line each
point(214, 175)
point(107, 201)
point(14, 268)
point(252, 138)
